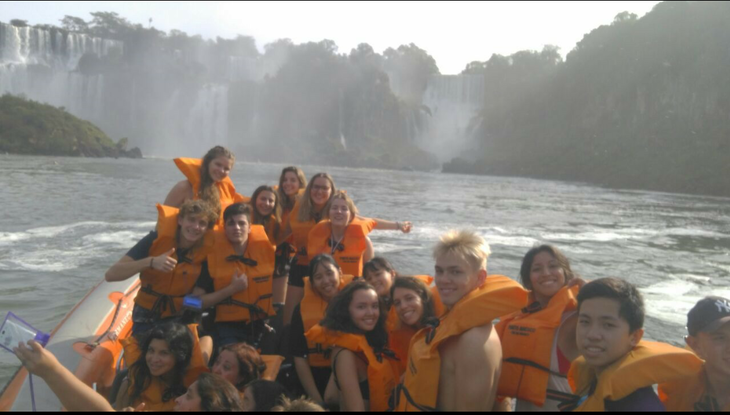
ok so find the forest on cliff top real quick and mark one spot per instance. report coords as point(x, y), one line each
point(638, 103)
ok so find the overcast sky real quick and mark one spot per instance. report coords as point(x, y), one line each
point(454, 33)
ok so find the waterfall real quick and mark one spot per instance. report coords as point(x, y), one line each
point(207, 121)
point(454, 102)
point(41, 64)
point(193, 120)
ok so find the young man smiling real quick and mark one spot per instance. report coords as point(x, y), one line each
point(454, 364)
point(617, 369)
point(239, 279)
point(708, 324)
point(169, 261)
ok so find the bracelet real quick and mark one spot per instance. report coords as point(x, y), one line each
point(397, 226)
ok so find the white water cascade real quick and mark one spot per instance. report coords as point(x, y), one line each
point(41, 64)
point(454, 102)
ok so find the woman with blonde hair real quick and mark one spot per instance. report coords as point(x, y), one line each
point(307, 212)
point(344, 234)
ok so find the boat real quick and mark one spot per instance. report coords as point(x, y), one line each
point(86, 341)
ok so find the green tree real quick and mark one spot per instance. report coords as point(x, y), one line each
point(74, 24)
point(409, 67)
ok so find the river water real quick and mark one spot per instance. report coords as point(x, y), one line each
point(64, 221)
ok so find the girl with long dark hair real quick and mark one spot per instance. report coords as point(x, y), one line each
point(363, 368)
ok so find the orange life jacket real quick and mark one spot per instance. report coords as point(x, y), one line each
point(498, 296)
point(153, 395)
point(257, 263)
point(689, 394)
point(163, 292)
point(300, 233)
point(349, 252)
point(647, 364)
point(271, 230)
point(527, 342)
point(381, 368)
point(191, 169)
point(273, 364)
point(313, 308)
point(285, 213)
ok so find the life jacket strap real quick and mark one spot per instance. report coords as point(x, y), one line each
point(571, 402)
point(252, 308)
point(163, 301)
point(402, 388)
point(318, 349)
point(707, 404)
point(525, 362)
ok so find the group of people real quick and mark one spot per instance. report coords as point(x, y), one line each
point(232, 287)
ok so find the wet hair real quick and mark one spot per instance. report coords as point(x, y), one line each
point(318, 260)
point(217, 394)
point(258, 219)
point(341, 194)
point(208, 191)
point(297, 405)
point(465, 244)
point(180, 343)
point(413, 283)
point(267, 394)
point(376, 264)
point(628, 296)
point(202, 208)
point(306, 207)
point(529, 258)
point(250, 364)
point(287, 203)
point(237, 209)
point(337, 317)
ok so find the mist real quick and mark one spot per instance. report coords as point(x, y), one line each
point(637, 103)
point(174, 94)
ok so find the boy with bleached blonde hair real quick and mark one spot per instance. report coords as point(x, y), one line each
point(454, 365)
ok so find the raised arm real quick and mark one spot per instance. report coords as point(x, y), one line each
point(387, 225)
point(127, 267)
point(74, 394)
point(369, 250)
point(179, 193)
point(478, 358)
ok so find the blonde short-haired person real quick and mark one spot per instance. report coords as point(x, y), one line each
point(455, 365)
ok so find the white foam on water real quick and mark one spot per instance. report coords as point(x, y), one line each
point(585, 236)
point(11, 238)
point(50, 260)
point(389, 248)
point(699, 279)
point(51, 231)
point(723, 267)
point(8, 238)
point(64, 249)
point(520, 241)
point(120, 239)
point(693, 232)
point(670, 300)
point(575, 250)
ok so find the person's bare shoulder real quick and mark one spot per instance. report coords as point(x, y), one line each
point(182, 191)
point(476, 335)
